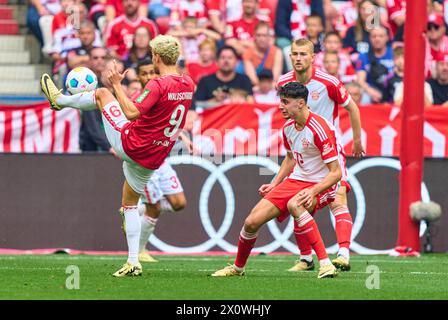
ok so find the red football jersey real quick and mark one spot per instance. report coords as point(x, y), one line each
point(118, 6)
point(197, 71)
point(163, 105)
point(120, 33)
point(241, 29)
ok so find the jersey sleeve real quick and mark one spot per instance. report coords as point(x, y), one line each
point(339, 94)
point(325, 141)
point(148, 98)
point(285, 141)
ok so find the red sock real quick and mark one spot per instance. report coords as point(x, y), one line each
point(344, 225)
point(302, 241)
point(308, 228)
point(245, 244)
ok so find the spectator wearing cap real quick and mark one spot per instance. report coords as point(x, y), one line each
point(264, 55)
point(435, 33)
point(215, 89)
point(206, 65)
point(265, 92)
point(374, 67)
point(439, 85)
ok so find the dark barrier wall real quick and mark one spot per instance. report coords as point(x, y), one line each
point(72, 201)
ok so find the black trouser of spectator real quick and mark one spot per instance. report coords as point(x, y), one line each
point(32, 22)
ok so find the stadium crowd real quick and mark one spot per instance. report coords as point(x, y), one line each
point(235, 50)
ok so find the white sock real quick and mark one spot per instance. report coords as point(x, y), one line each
point(344, 252)
point(141, 209)
point(308, 257)
point(325, 262)
point(133, 226)
point(165, 206)
point(83, 101)
point(148, 226)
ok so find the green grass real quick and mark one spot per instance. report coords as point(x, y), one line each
point(175, 278)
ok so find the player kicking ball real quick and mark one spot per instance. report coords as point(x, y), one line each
point(312, 157)
point(142, 132)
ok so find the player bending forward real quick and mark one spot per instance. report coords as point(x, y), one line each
point(326, 94)
point(142, 132)
point(312, 153)
point(164, 190)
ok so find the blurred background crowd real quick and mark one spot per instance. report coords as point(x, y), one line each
point(235, 50)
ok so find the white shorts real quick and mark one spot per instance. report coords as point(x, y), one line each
point(113, 121)
point(164, 181)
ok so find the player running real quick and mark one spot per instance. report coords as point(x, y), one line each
point(141, 132)
point(164, 190)
point(326, 93)
point(312, 154)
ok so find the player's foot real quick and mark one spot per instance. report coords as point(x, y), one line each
point(341, 263)
point(51, 91)
point(130, 270)
point(123, 221)
point(146, 257)
point(228, 271)
point(302, 265)
point(327, 271)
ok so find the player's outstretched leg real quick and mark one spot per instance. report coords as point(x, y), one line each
point(308, 227)
point(149, 216)
point(83, 101)
point(344, 225)
point(263, 212)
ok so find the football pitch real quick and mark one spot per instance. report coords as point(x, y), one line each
point(187, 277)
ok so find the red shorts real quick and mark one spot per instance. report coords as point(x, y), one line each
point(288, 188)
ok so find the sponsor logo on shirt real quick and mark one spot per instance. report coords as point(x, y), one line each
point(163, 143)
point(315, 95)
point(143, 95)
point(180, 96)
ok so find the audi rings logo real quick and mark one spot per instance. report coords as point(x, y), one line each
point(281, 239)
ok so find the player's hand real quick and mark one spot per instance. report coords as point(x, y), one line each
point(265, 189)
point(114, 153)
point(358, 149)
point(306, 197)
point(114, 76)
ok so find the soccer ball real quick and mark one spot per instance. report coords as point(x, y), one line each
point(81, 79)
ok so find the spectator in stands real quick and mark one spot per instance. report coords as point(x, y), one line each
point(340, 15)
point(60, 19)
point(160, 8)
point(264, 55)
point(290, 19)
point(116, 8)
point(439, 85)
point(120, 32)
point(139, 51)
point(374, 67)
point(355, 91)
point(190, 36)
point(183, 9)
point(240, 33)
point(314, 31)
point(436, 36)
point(357, 38)
point(331, 63)
point(38, 9)
point(133, 87)
point(214, 89)
point(333, 44)
point(396, 13)
point(92, 137)
point(79, 57)
point(206, 64)
point(265, 92)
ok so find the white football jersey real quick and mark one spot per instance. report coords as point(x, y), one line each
point(313, 147)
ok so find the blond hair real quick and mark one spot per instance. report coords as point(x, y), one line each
point(304, 42)
point(167, 47)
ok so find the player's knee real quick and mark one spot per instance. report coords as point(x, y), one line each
point(292, 205)
point(251, 224)
point(179, 204)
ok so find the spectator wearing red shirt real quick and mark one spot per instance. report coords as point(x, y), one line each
point(120, 32)
point(60, 19)
point(396, 13)
point(115, 8)
point(240, 33)
point(207, 61)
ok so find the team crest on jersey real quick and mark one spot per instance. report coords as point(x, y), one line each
point(315, 95)
point(305, 143)
point(143, 96)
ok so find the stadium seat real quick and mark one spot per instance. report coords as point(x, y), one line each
point(45, 26)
